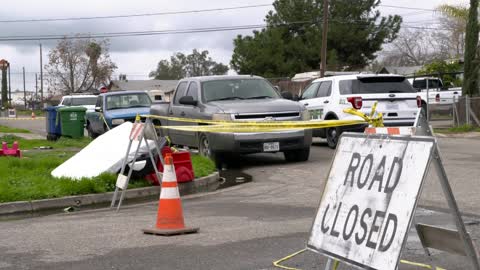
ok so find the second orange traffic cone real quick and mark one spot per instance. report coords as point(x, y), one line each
point(170, 213)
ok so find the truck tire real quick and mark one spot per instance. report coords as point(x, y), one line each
point(332, 135)
point(297, 155)
point(205, 150)
point(91, 134)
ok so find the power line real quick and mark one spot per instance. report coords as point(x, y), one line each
point(410, 8)
point(181, 31)
point(134, 15)
point(129, 34)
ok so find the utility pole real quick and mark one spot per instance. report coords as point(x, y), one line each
point(41, 78)
point(323, 54)
point(35, 100)
point(24, 89)
point(9, 88)
point(36, 88)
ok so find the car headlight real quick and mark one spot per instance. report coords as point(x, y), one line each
point(222, 117)
point(117, 121)
point(305, 115)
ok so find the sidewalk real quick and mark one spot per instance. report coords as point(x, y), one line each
point(28, 136)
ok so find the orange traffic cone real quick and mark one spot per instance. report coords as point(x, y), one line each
point(33, 115)
point(170, 214)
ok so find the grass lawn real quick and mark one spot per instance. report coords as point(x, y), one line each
point(29, 178)
point(6, 129)
point(60, 143)
point(459, 129)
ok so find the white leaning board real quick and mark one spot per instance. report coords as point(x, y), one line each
point(344, 227)
point(105, 154)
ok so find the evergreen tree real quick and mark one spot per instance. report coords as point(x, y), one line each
point(291, 41)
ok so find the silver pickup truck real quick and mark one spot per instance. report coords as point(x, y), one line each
point(238, 98)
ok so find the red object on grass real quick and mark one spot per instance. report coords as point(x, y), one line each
point(182, 163)
point(13, 152)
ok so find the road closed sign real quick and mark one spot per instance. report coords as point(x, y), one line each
point(369, 199)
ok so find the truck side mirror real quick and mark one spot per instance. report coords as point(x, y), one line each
point(188, 100)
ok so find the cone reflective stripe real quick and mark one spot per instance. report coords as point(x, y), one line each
point(391, 130)
point(170, 213)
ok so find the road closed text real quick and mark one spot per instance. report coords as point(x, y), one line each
point(365, 226)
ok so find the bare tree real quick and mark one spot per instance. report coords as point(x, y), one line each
point(79, 65)
point(414, 48)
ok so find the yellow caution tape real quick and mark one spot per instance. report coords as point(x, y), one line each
point(277, 263)
point(267, 126)
point(222, 126)
point(336, 263)
point(420, 265)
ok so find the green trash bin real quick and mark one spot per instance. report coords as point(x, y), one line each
point(73, 121)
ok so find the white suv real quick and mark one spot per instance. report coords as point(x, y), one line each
point(326, 98)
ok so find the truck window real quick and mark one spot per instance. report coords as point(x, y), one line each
point(181, 90)
point(325, 89)
point(310, 91)
point(83, 101)
point(66, 101)
point(422, 84)
point(124, 101)
point(375, 85)
point(193, 91)
point(231, 89)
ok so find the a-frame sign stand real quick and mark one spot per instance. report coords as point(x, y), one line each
point(140, 132)
point(452, 241)
point(428, 234)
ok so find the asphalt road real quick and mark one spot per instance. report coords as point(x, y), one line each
point(37, 126)
point(244, 227)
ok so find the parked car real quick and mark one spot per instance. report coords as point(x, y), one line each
point(237, 98)
point(115, 108)
point(326, 98)
point(87, 101)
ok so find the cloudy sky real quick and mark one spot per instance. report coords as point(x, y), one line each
point(137, 56)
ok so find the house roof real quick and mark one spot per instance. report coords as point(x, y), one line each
point(400, 70)
point(164, 85)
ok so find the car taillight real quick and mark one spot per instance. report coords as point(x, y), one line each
point(356, 102)
point(419, 102)
point(437, 98)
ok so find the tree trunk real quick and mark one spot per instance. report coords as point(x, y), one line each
point(470, 81)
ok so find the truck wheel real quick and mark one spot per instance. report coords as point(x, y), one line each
point(332, 137)
point(91, 134)
point(205, 150)
point(297, 155)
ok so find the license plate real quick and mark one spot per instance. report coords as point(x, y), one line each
point(392, 106)
point(271, 147)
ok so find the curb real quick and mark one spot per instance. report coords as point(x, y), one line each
point(203, 184)
point(463, 135)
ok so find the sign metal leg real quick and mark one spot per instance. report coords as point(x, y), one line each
point(115, 194)
point(131, 170)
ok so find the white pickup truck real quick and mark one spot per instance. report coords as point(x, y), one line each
point(438, 95)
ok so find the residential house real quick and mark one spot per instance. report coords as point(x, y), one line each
point(159, 90)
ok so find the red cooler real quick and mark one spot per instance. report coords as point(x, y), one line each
point(182, 163)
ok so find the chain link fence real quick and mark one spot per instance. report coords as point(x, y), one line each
point(466, 111)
